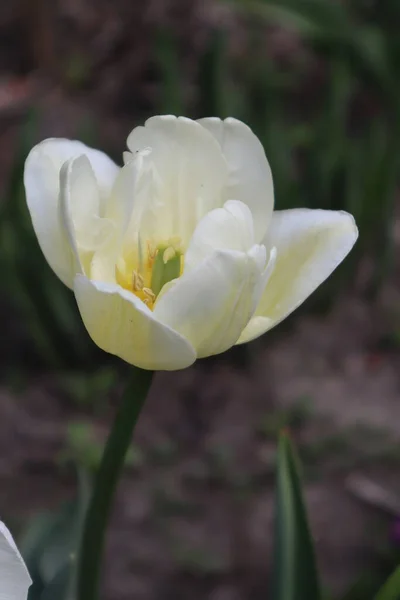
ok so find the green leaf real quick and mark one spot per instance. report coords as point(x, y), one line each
point(309, 17)
point(60, 587)
point(168, 62)
point(391, 589)
point(363, 587)
point(62, 541)
point(46, 306)
point(217, 97)
point(295, 574)
point(50, 546)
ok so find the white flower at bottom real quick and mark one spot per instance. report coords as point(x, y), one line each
point(178, 255)
point(14, 577)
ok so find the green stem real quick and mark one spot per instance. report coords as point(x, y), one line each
point(111, 465)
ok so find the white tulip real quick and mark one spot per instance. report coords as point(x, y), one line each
point(178, 254)
point(14, 576)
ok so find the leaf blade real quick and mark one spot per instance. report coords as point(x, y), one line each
point(391, 588)
point(295, 575)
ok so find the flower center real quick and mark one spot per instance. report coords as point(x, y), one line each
point(146, 274)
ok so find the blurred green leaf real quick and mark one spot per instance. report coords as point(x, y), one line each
point(391, 589)
point(82, 447)
point(368, 48)
point(14, 190)
point(51, 543)
point(295, 574)
point(60, 587)
point(61, 541)
point(309, 17)
point(167, 58)
point(89, 389)
point(216, 96)
point(43, 301)
point(364, 587)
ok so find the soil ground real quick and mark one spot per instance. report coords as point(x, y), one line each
point(195, 517)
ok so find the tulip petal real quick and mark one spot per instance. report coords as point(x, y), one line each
point(79, 199)
point(130, 198)
point(250, 177)
point(227, 228)
point(42, 186)
point(230, 228)
point(310, 245)
point(212, 303)
point(121, 324)
point(186, 173)
point(80, 208)
point(14, 576)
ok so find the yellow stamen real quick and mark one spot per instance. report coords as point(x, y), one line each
point(137, 281)
point(151, 252)
point(150, 295)
point(153, 267)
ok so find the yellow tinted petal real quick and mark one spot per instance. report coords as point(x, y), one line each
point(212, 303)
point(121, 324)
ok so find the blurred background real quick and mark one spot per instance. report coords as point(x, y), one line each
point(319, 82)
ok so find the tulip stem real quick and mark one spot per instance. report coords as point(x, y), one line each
point(112, 462)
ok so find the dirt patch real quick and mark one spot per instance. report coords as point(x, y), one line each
point(196, 516)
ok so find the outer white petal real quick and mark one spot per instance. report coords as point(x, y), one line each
point(41, 179)
point(250, 177)
point(14, 576)
point(310, 245)
point(186, 173)
point(59, 150)
point(212, 303)
point(121, 324)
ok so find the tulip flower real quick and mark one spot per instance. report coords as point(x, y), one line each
point(14, 576)
point(178, 255)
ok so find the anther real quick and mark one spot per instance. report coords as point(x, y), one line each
point(150, 295)
point(151, 250)
point(137, 281)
